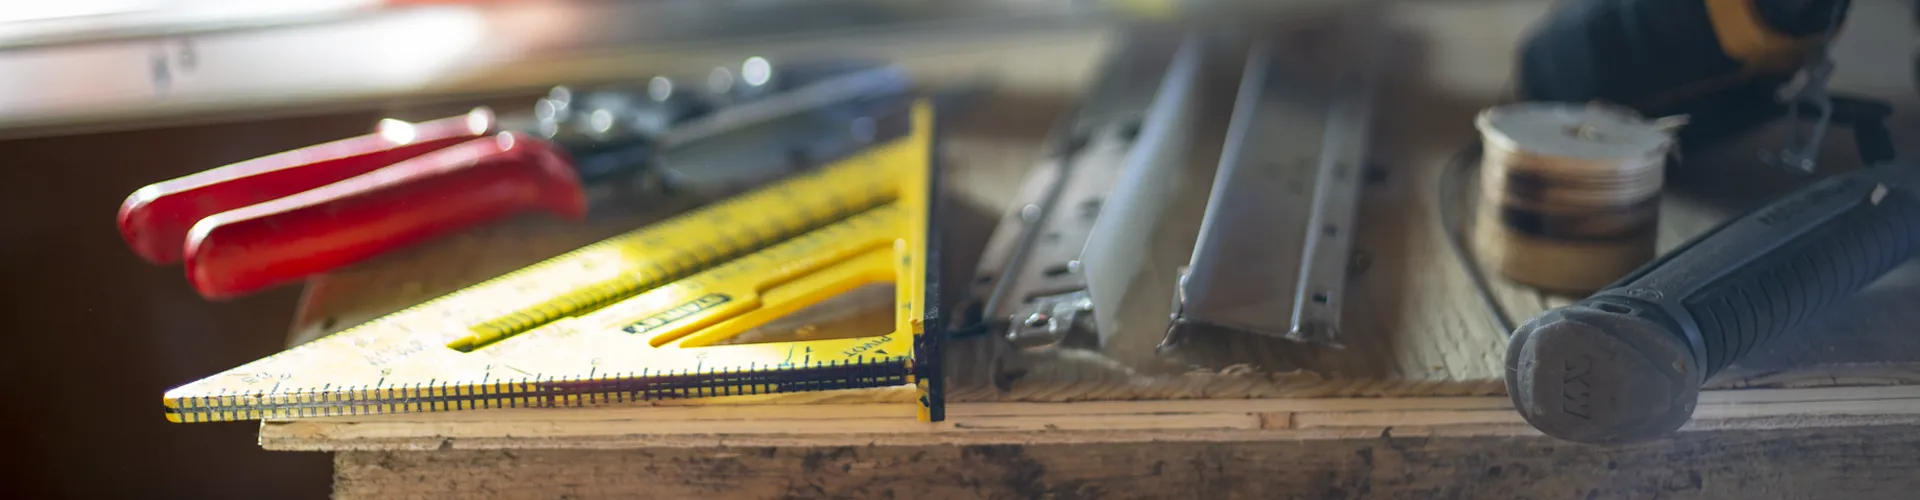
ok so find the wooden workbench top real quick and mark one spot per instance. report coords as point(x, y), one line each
point(1413, 328)
point(1416, 334)
point(1413, 405)
point(1419, 380)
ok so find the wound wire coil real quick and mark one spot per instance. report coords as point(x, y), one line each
point(1569, 194)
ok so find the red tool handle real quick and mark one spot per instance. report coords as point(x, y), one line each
point(155, 219)
point(254, 247)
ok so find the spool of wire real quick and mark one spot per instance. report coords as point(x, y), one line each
point(1569, 194)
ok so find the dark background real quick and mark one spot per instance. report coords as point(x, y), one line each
point(94, 335)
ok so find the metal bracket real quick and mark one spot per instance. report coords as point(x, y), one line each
point(1052, 319)
point(1121, 257)
point(1272, 253)
point(1032, 264)
point(1090, 235)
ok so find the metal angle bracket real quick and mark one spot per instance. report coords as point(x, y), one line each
point(1121, 260)
point(1272, 253)
point(1031, 276)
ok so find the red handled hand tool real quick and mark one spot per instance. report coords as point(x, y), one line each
point(279, 218)
point(1627, 363)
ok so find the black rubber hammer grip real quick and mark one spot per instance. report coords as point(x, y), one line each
point(1627, 363)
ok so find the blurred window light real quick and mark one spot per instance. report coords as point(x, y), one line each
point(52, 21)
point(756, 71)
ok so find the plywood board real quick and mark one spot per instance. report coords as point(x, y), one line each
point(1415, 329)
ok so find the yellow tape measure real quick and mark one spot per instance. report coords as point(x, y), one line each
point(643, 315)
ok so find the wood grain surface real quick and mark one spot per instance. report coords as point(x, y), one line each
point(1411, 407)
point(837, 422)
point(1733, 464)
point(1413, 325)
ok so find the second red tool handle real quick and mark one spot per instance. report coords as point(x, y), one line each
point(258, 246)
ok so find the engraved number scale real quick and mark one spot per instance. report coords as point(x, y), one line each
point(638, 316)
